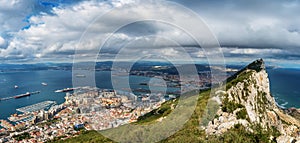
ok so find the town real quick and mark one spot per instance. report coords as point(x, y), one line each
point(80, 110)
point(91, 108)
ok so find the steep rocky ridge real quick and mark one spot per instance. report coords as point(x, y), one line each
point(248, 102)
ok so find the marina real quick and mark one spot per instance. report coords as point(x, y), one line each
point(36, 107)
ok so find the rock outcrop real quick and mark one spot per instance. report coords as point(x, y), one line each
point(248, 102)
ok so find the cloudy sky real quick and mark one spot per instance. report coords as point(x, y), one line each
point(55, 30)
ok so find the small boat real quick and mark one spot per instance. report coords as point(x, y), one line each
point(44, 84)
point(80, 75)
point(16, 86)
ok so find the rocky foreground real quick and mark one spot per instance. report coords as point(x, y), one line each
point(248, 102)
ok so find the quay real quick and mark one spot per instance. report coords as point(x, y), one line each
point(36, 107)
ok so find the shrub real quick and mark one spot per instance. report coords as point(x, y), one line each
point(242, 114)
point(230, 106)
point(23, 136)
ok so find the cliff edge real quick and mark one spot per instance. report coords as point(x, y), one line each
point(247, 102)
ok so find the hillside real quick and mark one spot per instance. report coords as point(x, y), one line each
point(247, 113)
point(248, 102)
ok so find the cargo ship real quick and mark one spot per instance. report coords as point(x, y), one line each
point(26, 94)
point(22, 95)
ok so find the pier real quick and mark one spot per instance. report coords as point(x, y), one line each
point(36, 107)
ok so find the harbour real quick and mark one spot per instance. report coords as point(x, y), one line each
point(36, 107)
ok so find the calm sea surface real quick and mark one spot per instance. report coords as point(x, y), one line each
point(284, 86)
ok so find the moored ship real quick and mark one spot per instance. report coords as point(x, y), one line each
point(22, 95)
point(26, 94)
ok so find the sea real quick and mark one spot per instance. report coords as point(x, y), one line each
point(30, 81)
point(284, 86)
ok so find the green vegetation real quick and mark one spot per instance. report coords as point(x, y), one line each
point(23, 136)
point(210, 112)
point(242, 114)
point(239, 134)
point(190, 132)
point(239, 78)
point(274, 132)
point(155, 114)
point(230, 106)
point(261, 101)
point(243, 74)
point(85, 137)
point(255, 66)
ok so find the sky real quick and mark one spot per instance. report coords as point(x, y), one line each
point(51, 30)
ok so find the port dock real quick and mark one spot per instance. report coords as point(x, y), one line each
point(36, 107)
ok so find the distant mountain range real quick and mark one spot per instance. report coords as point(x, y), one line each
point(105, 66)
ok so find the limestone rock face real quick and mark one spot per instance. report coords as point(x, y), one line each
point(248, 101)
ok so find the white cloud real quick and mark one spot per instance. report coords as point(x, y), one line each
point(268, 30)
point(54, 34)
point(59, 33)
point(13, 13)
point(2, 42)
point(251, 51)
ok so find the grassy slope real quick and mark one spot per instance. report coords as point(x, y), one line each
point(85, 137)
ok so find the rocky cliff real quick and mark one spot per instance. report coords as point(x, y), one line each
point(248, 102)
